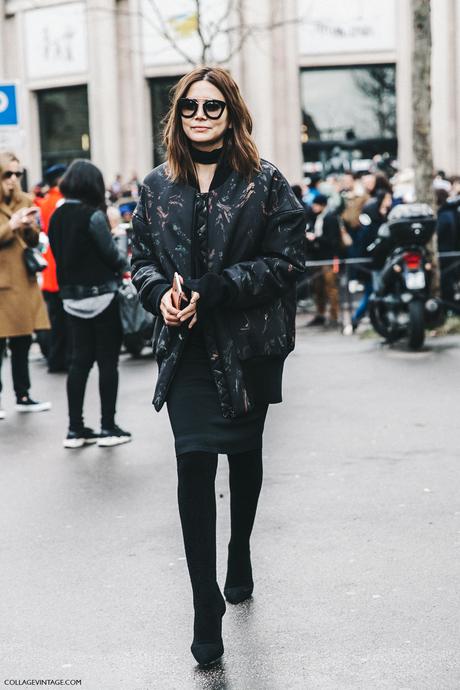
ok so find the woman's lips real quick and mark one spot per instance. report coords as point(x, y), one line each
point(200, 129)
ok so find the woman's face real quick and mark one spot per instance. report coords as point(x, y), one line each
point(10, 182)
point(205, 133)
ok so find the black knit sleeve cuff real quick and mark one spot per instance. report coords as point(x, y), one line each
point(213, 289)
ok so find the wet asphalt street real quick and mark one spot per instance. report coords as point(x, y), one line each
point(356, 551)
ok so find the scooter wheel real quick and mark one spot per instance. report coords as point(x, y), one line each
point(416, 324)
point(378, 321)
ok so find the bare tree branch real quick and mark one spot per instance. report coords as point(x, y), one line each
point(207, 34)
point(216, 28)
point(199, 29)
point(245, 33)
point(166, 34)
point(260, 28)
point(148, 20)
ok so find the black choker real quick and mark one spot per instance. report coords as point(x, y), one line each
point(206, 157)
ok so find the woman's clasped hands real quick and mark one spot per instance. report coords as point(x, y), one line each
point(175, 317)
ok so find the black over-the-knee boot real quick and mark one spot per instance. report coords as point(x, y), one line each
point(197, 508)
point(245, 485)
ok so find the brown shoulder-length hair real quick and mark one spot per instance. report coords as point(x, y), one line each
point(5, 159)
point(240, 150)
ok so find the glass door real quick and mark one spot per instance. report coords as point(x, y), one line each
point(348, 116)
point(64, 125)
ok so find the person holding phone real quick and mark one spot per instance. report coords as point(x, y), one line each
point(218, 244)
point(22, 309)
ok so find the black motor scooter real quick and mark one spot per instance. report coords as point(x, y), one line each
point(402, 305)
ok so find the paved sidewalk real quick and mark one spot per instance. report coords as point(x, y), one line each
point(356, 549)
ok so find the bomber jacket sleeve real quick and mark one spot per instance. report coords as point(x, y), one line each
point(146, 273)
point(102, 237)
point(272, 273)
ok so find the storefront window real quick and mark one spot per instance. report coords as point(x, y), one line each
point(160, 94)
point(64, 125)
point(348, 114)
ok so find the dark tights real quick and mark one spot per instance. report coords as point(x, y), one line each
point(19, 346)
point(197, 508)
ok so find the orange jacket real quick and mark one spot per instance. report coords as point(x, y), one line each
point(47, 208)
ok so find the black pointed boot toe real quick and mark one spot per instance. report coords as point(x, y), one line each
point(207, 653)
point(207, 646)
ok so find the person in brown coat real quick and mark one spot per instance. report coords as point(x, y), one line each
point(22, 309)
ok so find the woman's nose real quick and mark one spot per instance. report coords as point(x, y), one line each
point(200, 112)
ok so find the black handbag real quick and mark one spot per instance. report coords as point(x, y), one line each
point(134, 318)
point(34, 260)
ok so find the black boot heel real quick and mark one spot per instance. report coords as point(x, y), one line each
point(235, 595)
point(239, 584)
point(207, 646)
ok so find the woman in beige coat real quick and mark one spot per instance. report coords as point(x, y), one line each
point(22, 310)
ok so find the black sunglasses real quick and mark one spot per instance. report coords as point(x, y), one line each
point(9, 173)
point(188, 107)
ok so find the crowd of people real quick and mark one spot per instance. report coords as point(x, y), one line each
point(344, 213)
point(77, 320)
point(335, 207)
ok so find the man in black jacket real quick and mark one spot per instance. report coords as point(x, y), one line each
point(447, 233)
point(324, 236)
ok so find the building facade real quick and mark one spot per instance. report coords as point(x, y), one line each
point(323, 79)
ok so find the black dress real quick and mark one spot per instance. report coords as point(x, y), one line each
point(193, 403)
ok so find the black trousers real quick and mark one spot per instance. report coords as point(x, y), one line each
point(19, 346)
point(94, 340)
point(57, 338)
point(197, 507)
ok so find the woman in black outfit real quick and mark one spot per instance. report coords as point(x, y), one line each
point(89, 269)
point(228, 223)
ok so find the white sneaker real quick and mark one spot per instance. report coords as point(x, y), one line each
point(78, 439)
point(113, 437)
point(26, 404)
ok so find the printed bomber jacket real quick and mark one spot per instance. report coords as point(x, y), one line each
point(256, 244)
